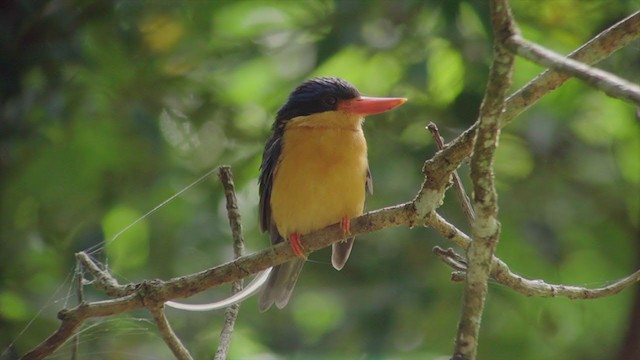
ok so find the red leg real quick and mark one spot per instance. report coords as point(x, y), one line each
point(345, 225)
point(296, 246)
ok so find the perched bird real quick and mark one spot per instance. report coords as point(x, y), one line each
point(314, 173)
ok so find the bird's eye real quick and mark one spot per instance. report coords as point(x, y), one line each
point(330, 100)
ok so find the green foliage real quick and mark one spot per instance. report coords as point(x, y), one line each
point(130, 249)
point(445, 67)
point(108, 108)
point(13, 307)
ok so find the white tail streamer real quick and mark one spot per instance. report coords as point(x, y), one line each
point(238, 297)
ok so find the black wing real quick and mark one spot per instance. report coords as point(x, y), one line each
point(283, 277)
point(270, 159)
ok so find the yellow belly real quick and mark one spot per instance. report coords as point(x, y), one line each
point(320, 178)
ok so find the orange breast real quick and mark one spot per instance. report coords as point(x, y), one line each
point(321, 174)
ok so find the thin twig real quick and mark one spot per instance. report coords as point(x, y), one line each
point(610, 84)
point(539, 288)
point(486, 228)
point(501, 273)
point(595, 50)
point(66, 329)
point(102, 278)
point(169, 337)
point(465, 203)
point(438, 169)
point(80, 297)
point(451, 258)
point(448, 230)
point(458, 276)
point(231, 313)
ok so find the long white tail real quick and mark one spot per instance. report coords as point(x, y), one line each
point(238, 297)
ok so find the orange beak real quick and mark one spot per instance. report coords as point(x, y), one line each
point(370, 105)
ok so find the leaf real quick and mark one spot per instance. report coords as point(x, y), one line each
point(12, 306)
point(129, 249)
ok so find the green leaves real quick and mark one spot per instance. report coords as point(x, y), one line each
point(326, 315)
point(12, 306)
point(513, 159)
point(445, 68)
point(127, 247)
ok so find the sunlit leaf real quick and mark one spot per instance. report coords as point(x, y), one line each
point(628, 157)
point(602, 121)
point(372, 74)
point(513, 159)
point(317, 313)
point(251, 19)
point(12, 306)
point(130, 249)
point(446, 72)
point(161, 32)
point(251, 82)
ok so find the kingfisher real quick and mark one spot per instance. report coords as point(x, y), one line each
point(314, 173)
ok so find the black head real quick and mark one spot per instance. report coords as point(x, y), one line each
point(315, 96)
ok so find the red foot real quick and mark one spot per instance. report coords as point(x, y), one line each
point(296, 246)
point(345, 225)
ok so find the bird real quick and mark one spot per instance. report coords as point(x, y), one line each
point(314, 173)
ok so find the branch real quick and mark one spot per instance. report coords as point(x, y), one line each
point(540, 288)
point(612, 85)
point(456, 261)
point(463, 199)
point(231, 313)
point(485, 228)
point(169, 337)
point(66, 330)
point(596, 50)
point(501, 273)
point(73, 318)
point(78, 278)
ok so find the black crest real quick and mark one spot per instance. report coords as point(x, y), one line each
point(316, 96)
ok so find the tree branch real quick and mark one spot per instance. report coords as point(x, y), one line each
point(169, 337)
point(463, 199)
point(610, 84)
point(231, 313)
point(78, 278)
point(501, 273)
point(596, 50)
point(485, 228)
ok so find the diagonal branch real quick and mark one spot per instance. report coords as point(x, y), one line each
point(501, 273)
point(463, 199)
point(596, 50)
point(612, 85)
point(169, 337)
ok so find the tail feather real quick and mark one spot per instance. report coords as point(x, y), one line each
point(280, 285)
point(340, 253)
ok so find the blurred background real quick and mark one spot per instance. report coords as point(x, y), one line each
point(110, 107)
